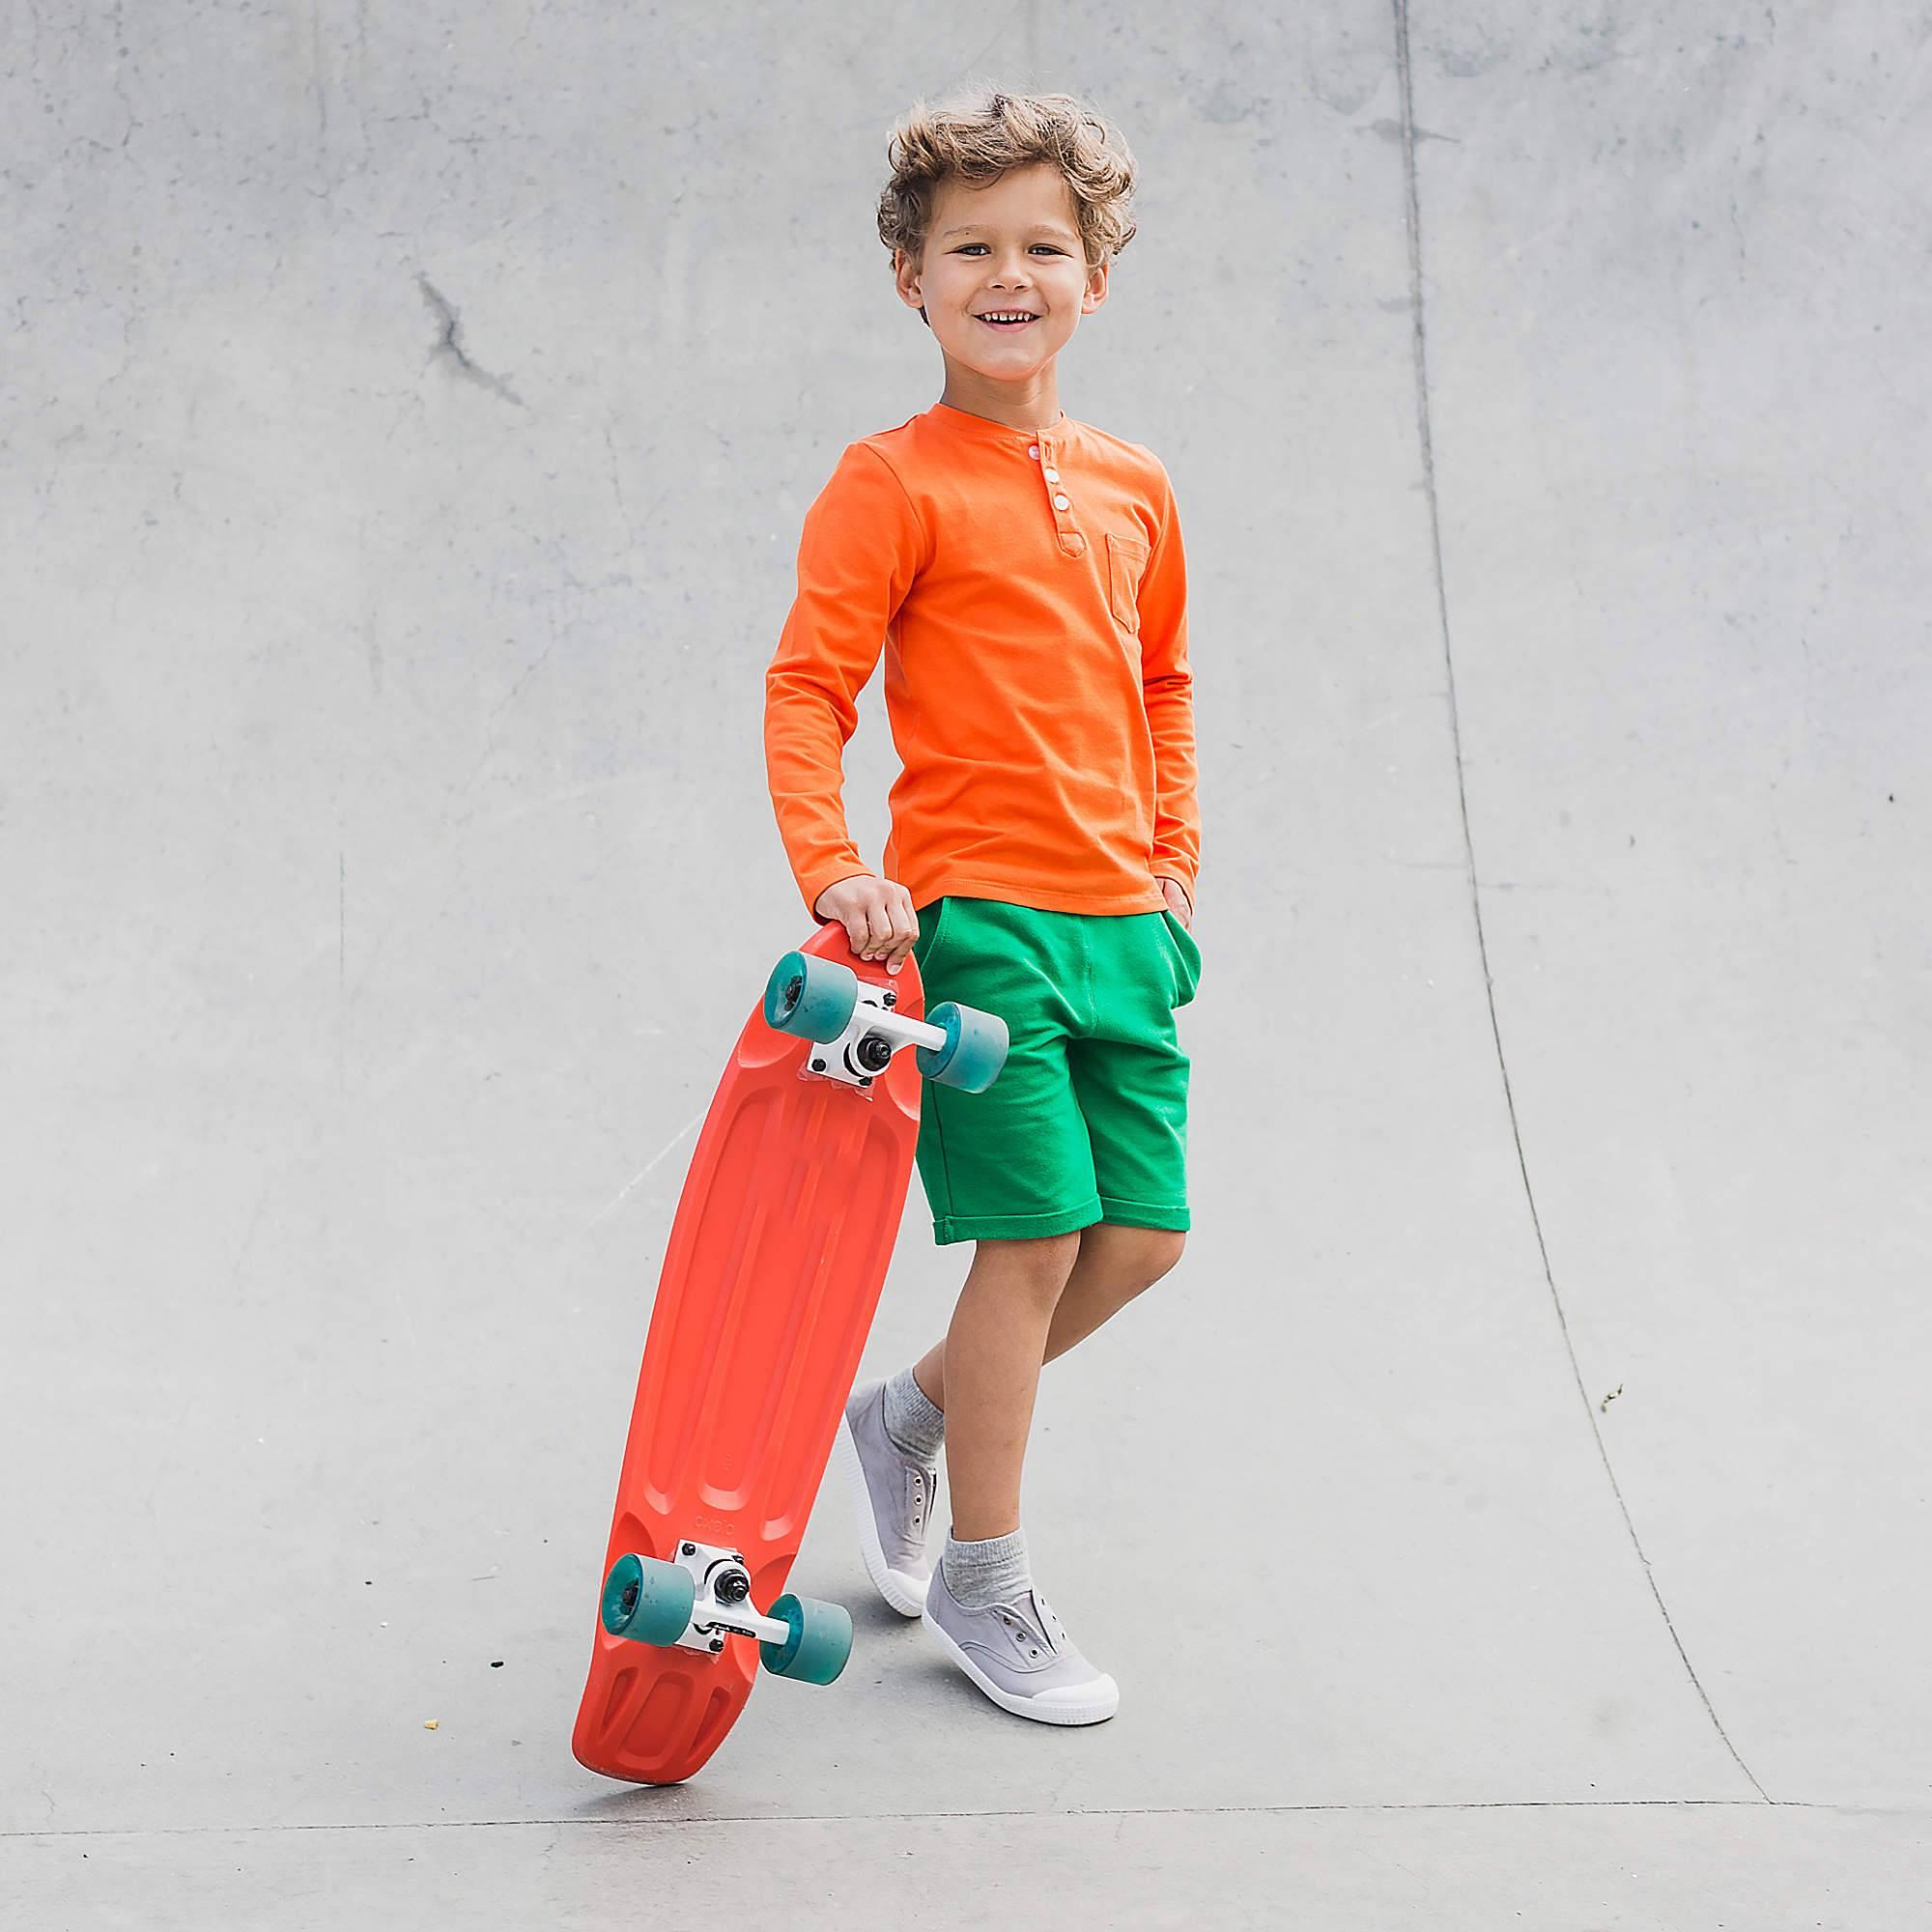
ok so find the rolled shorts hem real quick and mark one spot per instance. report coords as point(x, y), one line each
point(1143, 1214)
point(948, 1227)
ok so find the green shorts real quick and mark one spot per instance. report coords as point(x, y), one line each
point(1087, 1121)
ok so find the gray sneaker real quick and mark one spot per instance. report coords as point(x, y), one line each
point(1020, 1655)
point(892, 1494)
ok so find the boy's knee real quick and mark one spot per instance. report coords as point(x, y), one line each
point(1163, 1249)
point(1145, 1253)
point(1155, 1250)
point(1041, 1263)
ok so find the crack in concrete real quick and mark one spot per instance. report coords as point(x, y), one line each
point(318, 83)
point(616, 479)
point(685, 1822)
point(624, 1192)
point(448, 345)
point(1412, 211)
point(502, 704)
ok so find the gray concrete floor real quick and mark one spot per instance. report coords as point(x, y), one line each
point(1514, 1511)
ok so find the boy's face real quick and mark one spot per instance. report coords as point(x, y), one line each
point(1009, 245)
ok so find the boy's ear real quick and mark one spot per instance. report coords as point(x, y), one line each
point(904, 272)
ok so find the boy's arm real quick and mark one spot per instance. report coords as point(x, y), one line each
point(859, 550)
point(1167, 686)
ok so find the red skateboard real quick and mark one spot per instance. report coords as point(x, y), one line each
point(777, 1255)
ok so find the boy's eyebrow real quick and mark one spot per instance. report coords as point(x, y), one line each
point(1038, 228)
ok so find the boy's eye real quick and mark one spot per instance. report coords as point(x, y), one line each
point(1047, 245)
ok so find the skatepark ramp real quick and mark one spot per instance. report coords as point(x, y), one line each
point(1513, 1510)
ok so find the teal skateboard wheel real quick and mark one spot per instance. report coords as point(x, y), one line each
point(821, 1640)
point(648, 1601)
point(811, 997)
point(975, 1049)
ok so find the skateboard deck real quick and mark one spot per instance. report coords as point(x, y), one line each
point(777, 1252)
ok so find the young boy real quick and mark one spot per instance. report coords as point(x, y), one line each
point(1023, 573)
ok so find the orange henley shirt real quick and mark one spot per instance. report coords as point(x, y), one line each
point(1029, 594)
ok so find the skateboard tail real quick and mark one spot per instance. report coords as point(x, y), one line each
point(658, 1725)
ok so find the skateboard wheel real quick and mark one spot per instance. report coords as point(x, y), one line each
point(809, 996)
point(648, 1601)
point(821, 1640)
point(975, 1049)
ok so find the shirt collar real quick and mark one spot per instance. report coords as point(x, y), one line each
point(946, 416)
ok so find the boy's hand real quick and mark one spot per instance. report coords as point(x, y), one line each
point(1177, 903)
point(877, 915)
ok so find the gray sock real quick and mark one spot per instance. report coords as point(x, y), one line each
point(978, 1574)
point(916, 1428)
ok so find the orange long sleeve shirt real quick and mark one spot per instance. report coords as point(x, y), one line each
point(1029, 594)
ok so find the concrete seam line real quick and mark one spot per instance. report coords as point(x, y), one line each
point(1412, 213)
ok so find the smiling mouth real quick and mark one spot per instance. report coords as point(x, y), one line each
point(1008, 325)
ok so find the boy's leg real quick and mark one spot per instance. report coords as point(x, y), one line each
point(1115, 1265)
point(981, 1603)
point(996, 1345)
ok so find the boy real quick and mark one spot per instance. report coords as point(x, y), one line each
point(1024, 575)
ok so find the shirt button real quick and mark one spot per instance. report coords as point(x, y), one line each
point(1059, 503)
point(1034, 451)
point(1052, 475)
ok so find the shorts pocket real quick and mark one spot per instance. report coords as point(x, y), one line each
point(1127, 563)
point(1188, 952)
point(932, 932)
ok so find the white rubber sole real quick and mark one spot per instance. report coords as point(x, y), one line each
point(904, 1592)
point(1093, 1709)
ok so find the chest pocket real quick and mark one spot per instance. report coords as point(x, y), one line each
point(1126, 563)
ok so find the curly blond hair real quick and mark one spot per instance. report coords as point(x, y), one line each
point(979, 135)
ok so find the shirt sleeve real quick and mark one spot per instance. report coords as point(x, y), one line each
point(1167, 687)
point(859, 550)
